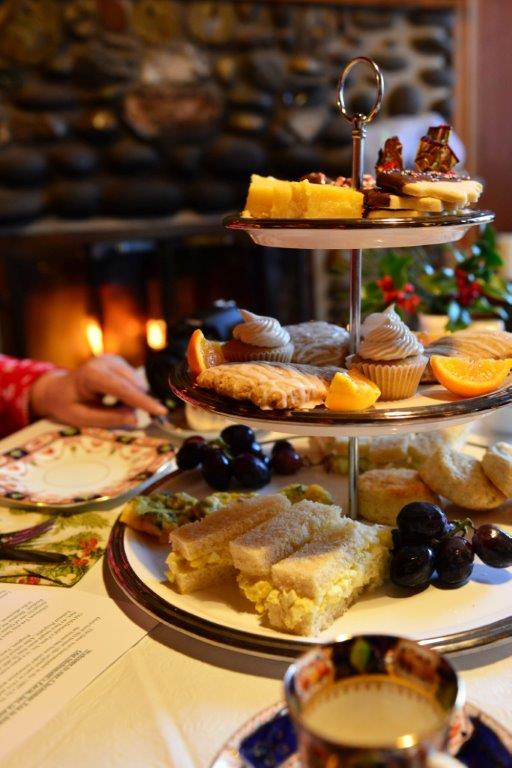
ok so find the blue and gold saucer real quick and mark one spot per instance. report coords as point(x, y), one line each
point(268, 741)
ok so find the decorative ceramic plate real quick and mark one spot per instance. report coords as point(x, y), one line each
point(359, 233)
point(431, 404)
point(476, 614)
point(268, 741)
point(70, 467)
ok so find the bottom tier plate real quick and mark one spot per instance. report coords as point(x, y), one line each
point(267, 739)
point(431, 405)
point(474, 615)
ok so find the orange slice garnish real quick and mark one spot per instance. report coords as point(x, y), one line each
point(351, 391)
point(469, 378)
point(202, 353)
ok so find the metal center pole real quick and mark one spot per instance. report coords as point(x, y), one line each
point(356, 257)
point(359, 123)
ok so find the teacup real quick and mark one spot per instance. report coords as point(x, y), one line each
point(372, 701)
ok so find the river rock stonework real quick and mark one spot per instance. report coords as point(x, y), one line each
point(184, 99)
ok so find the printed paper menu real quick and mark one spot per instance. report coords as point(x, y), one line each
point(53, 643)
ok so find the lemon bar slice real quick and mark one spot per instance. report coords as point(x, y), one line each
point(327, 201)
point(277, 199)
point(260, 197)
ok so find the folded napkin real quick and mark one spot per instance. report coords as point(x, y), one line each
point(82, 536)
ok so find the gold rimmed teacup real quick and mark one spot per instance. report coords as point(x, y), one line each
point(372, 701)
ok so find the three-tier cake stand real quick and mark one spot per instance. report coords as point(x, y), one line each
point(480, 616)
point(423, 412)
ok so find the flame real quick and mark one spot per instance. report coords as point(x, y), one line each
point(156, 334)
point(94, 336)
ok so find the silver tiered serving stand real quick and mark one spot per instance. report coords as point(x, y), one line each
point(128, 558)
point(354, 235)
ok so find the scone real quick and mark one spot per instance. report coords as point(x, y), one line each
point(460, 479)
point(422, 444)
point(318, 343)
point(497, 465)
point(391, 450)
point(269, 385)
point(383, 493)
point(389, 355)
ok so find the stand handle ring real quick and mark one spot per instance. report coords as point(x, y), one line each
point(358, 119)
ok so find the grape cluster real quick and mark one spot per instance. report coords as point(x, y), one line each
point(237, 455)
point(425, 542)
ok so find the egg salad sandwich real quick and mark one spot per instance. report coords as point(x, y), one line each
point(200, 553)
point(255, 552)
point(317, 583)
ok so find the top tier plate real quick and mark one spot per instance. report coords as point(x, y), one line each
point(311, 234)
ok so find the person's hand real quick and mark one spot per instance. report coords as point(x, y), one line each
point(75, 397)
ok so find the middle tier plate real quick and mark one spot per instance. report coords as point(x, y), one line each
point(431, 405)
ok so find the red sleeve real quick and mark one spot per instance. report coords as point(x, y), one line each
point(16, 379)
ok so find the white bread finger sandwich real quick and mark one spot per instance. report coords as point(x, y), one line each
point(255, 552)
point(317, 583)
point(200, 553)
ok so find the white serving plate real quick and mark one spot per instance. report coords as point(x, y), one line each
point(449, 620)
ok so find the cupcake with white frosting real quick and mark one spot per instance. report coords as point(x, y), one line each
point(258, 338)
point(390, 355)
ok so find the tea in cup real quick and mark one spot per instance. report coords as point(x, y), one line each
point(372, 701)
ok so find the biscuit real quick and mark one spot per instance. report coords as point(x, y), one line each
point(497, 465)
point(460, 479)
point(422, 444)
point(383, 493)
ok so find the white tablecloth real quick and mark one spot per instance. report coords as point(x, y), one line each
point(172, 701)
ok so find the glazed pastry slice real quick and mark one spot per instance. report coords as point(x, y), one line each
point(318, 343)
point(477, 345)
point(473, 344)
point(269, 385)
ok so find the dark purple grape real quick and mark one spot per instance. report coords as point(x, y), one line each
point(238, 437)
point(250, 471)
point(454, 561)
point(421, 522)
point(493, 546)
point(256, 450)
point(217, 468)
point(195, 439)
point(282, 445)
point(190, 455)
point(412, 566)
point(397, 538)
point(286, 461)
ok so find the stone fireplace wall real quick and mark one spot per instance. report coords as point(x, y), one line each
point(139, 108)
point(118, 117)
